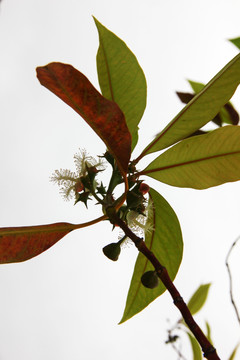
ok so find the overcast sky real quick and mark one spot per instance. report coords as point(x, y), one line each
point(66, 303)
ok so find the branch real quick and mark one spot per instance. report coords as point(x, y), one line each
point(230, 279)
point(209, 351)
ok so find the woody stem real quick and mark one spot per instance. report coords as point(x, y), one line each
point(208, 350)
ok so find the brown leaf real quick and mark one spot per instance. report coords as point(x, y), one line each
point(22, 243)
point(232, 113)
point(185, 97)
point(104, 116)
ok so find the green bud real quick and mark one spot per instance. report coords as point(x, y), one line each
point(112, 251)
point(150, 279)
point(83, 197)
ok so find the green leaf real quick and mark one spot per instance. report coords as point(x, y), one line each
point(232, 356)
point(165, 241)
point(200, 162)
point(227, 114)
point(201, 109)
point(196, 86)
point(121, 78)
point(209, 332)
point(196, 350)
point(104, 116)
point(198, 298)
point(236, 42)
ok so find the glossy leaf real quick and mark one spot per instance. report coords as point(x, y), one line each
point(196, 350)
point(198, 299)
point(166, 243)
point(236, 42)
point(121, 78)
point(104, 116)
point(23, 243)
point(200, 162)
point(201, 109)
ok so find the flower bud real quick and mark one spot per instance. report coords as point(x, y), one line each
point(144, 188)
point(150, 279)
point(112, 251)
point(79, 186)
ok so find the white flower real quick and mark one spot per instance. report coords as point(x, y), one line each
point(69, 181)
point(140, 224)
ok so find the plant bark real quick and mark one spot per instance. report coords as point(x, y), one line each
point(209, 352)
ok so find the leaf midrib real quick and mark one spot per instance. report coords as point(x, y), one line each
point(108, 71)
point(189, 105)
point(145, 172)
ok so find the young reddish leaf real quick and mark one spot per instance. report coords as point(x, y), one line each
point(104, 116)
point(185, 97)
point(22, 243)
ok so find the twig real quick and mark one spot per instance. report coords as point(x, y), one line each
point(209, 351)
point(230, 279)
point(171, 340)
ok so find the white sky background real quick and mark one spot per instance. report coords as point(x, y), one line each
point(66, 303)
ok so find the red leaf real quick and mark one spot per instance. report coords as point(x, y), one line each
point(104, 116)
point(22, 243)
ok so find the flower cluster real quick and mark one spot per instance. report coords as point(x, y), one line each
point(78, 184)
point(136, 212)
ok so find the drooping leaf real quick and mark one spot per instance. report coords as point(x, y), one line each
point(104, 116)
point(196, 350)
point(23, 243)
point(233, 354)
point(201, 109)
point(165, 240)
point(121, 78)
point(200, 162)
point(236, 42)
point(198, 298)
